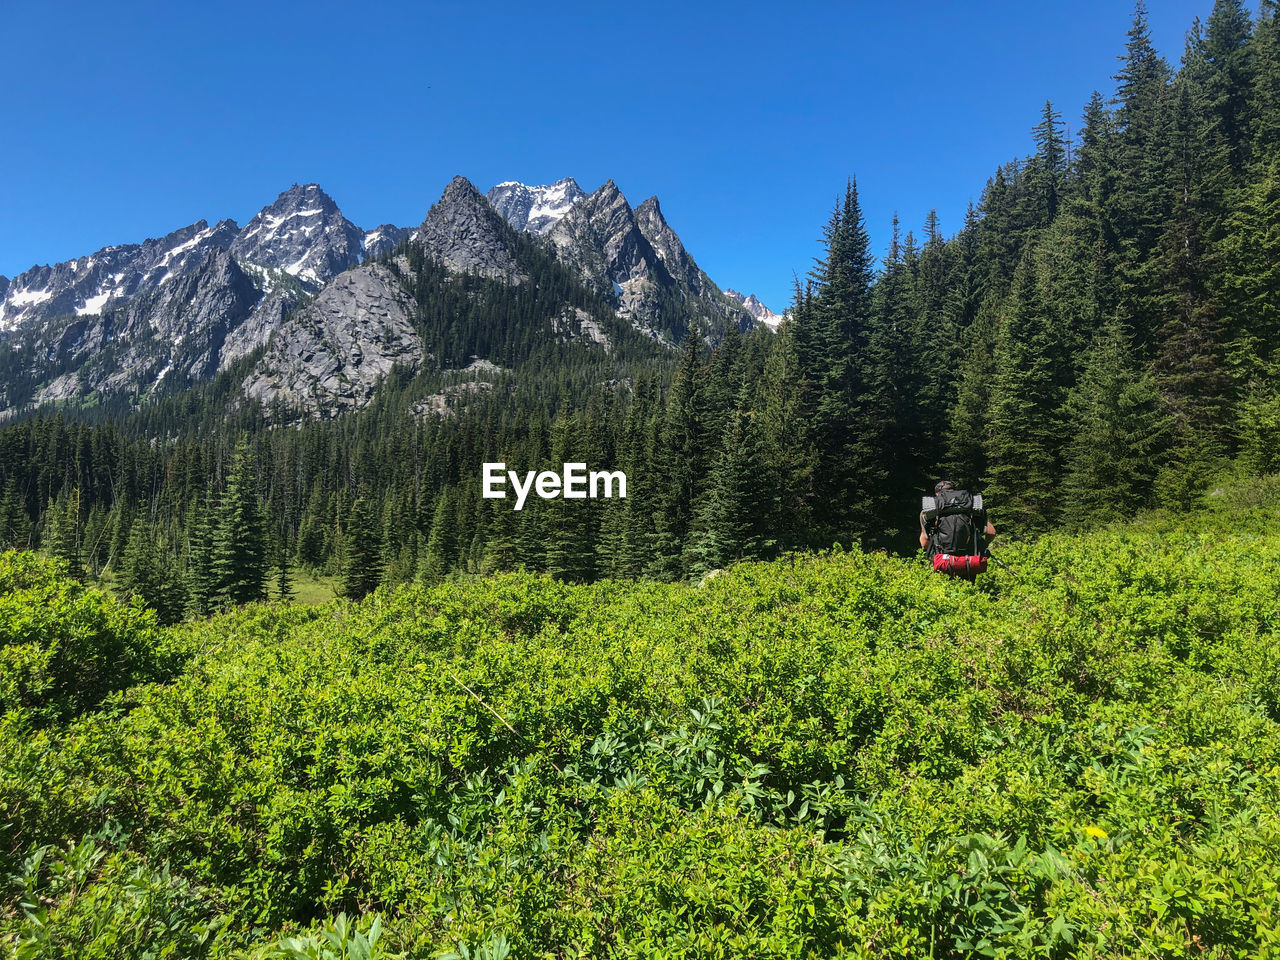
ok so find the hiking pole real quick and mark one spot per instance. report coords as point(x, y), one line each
point(1004, 566)
point(499, 716)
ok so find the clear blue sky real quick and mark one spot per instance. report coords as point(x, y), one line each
point(125, 121)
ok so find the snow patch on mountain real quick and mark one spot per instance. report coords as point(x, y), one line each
point(535, 209)
point(757, 309)
point(303, 233)
point(94, 304)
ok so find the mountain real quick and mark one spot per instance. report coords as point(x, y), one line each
point(600, 237)
point(633, 255)
point(757, 309)
point(295, 283)
point(467, 235)
point(383, 239)
point(636, 255)
point(173, 334)
point(535, 209)
point(304, 234)
point(86, 285)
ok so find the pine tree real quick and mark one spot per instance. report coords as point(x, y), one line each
point(284, 575)
point(1248, 284)
point(442, 549)
point(845, 355)
point(731, 520)
point(1119, 430)
point(138, 573)
point(202, 588)
point(64, 533)
point(570, 539)
point(1047, 168)
point(789, 460)
point(1024, 421)
point(238, 554)
point(15, 527)
point(1229, 84)
point(680, 465)
point(1264, 103)
point(362, 563)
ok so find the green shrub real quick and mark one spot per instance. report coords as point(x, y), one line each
point(832, 755)
point(63, 646)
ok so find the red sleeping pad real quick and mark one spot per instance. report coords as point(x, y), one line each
point(959, 566)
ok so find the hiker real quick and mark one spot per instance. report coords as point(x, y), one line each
point(954, 529)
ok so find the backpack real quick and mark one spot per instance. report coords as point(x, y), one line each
point(951, 520)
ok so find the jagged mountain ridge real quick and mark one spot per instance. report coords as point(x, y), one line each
point(302, 234)
point(172, 312)
point(753, 306)
point(632, 253)
point(535, 209)
point(86, 285)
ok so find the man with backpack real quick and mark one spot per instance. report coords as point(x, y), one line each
point(954, 529)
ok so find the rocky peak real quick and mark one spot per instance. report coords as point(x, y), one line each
point(460, 190)
point(304, 234)
point(467, 234)
point(601, 237)
point(668, 247)
point(535, 209)
point(754, 307)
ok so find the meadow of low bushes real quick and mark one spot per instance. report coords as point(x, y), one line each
point(834, 755)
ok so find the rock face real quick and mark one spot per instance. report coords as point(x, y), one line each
point(304, 234)
point(467, 235)
point(535, 209)
point(575, 322)
point(192, 316)
point(383, 239)
point(174, 333)
point(601, 238)
point(87, 285)
point(636, 256)
point(331, 354)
